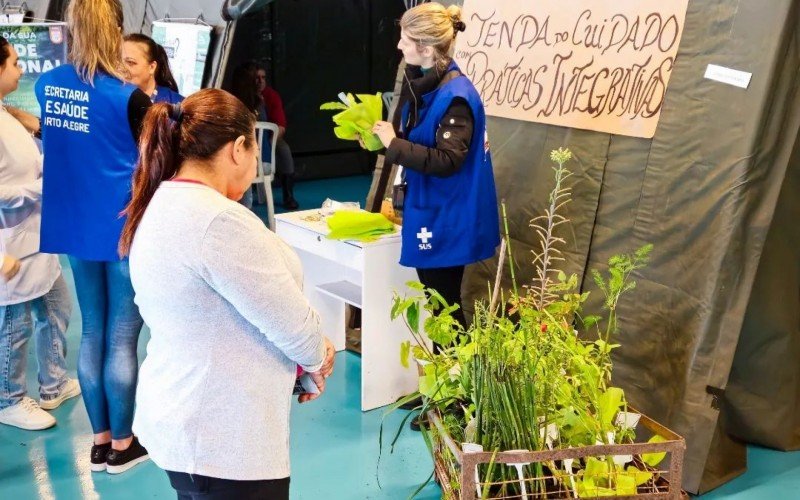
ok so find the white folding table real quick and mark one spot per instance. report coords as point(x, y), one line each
point(364, 275)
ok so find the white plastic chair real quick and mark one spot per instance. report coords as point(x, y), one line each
point(387, 103)
point(266, 169)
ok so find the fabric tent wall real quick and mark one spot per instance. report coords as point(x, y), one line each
point(762, 397)
point(38, 7)
point(703, 191)
point(140, 14)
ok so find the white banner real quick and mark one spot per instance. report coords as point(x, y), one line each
point(187, 47)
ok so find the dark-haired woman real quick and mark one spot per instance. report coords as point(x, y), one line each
point(90, 124)
point(33, 295)
point(249, 84)
point(148, 68)
point(228, 323)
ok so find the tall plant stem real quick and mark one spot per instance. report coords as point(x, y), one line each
point(548, 237)
point(507, 239)
point(501, 262)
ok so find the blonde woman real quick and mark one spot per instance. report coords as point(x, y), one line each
point(438, 135)
point(90, 125)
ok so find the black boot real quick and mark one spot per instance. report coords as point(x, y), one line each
point(287, 183)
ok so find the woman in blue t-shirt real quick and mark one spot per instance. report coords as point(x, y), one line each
point(91, 121)
point(148, 68)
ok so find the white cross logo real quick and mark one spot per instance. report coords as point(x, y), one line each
point(424, 235)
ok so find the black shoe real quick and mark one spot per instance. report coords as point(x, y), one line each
point(417, 422)
point(287, 184)
point(413, 404)
point(97, 457)
point(120, 461)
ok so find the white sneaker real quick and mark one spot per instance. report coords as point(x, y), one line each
point(27, 415)
point(71, 389)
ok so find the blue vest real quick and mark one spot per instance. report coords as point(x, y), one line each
point(89, 157)
point(450, 221)
point(166, 94)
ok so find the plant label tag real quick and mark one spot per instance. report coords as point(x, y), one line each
point(471, 448)
point(621, 460)
point(628, 420)
point(549, 434)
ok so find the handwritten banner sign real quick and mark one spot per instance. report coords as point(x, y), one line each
point(601, 66)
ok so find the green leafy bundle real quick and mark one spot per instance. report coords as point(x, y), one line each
point(356, 119)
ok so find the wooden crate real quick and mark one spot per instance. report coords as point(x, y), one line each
point(449, 458)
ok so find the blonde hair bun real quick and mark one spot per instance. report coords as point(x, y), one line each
point(454, 11)
point(433, 25)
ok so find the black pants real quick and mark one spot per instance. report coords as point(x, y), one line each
point(446, 281)
point(196, 487)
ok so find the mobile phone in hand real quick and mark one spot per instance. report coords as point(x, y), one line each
point(304, 384)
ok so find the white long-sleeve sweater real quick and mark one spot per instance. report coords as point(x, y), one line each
point(228, 322)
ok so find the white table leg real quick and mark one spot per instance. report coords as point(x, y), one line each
point(383, 378)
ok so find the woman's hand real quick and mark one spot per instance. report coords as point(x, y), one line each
point(385, 132)
point(330, 358)
point(29, 121)
point(319, 380)
point(319, 376)
point(9, 267)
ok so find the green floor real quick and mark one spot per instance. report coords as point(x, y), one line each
point(334, 444)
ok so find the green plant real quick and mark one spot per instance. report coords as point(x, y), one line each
point(522, 376)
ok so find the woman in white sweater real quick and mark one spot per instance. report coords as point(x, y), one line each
point(222, 297)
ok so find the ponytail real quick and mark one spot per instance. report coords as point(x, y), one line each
point(157, 163)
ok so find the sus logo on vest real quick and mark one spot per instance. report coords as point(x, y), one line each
point(424, 235)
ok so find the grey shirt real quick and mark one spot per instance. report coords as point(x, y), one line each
point(228, 323)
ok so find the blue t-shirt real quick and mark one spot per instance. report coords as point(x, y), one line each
point(89, 157)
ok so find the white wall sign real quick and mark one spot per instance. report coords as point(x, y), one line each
point(187, 47)
point(727, 75)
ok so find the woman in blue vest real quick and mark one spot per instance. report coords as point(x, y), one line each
point(148, 68)
point(438, 136)
point(90, 124)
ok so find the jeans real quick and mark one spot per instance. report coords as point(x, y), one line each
point(283, 167)
point(197, 487)
point(46, 317)
point(284, 162)
point(107, 364)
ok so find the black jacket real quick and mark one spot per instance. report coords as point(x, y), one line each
point(453, 137)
